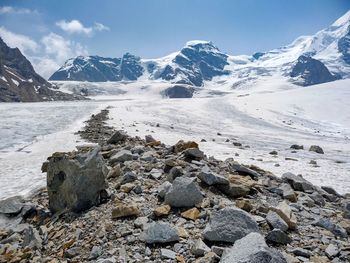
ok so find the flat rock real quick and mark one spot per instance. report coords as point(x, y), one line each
point(337, 230)
point(298, 183)
point(236, 167)
point(275, 221)
point(210, 178)
point(332, 251)
point(193, 153)
point(234, 190)
point(252, 249)
point(124, 210)
point(167, 253)
point(160, 232)
point(11, 205)
point(229, 224)
point(121, 156)
point(278, 236)
point(184, 192)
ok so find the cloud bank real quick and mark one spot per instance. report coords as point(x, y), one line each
point(75, 26)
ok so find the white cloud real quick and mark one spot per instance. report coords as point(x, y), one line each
point(75, 26)
point(14, 10)
point(48, 54)
point(24, 43)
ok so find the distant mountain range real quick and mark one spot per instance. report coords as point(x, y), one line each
point(309, 60)
point(20, 83)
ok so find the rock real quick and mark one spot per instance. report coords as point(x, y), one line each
point(156, 174)
point(160, 232)
point(278, 236)
point(285, 212)
point(316, 149)
point(75, 181)
point(162, 210)
point(107, 260)
point(244, 204)
point(199, 248)
point(141, 222)
point(149, 138)
point(194, 153)
point(117, 137)
point(128, 178)
point(332, 251)
point(12, 205)
point(229, 224)
point(210, 257)
point(72, 252)
point(297, 147)
point(300, 252)
point(218, 250)
point(114, 172)
point(298, 183)
point(163, 189)
point(211, 178)
point(252, 249)
point(337, 230)
point(184, 192)
point(96, 251)
point(31, 238)
point(121, 156)
point(273, 153)
point(127, 188)
point(180, 146)
point(236, 167)
point(275, 221)
point(192, 214)
point(123, 210)
point(288, 193)
point(317, 198)
point(174, 172)
point(330, 190)
point(234, 190)
point(167, 253)
point(346, 209)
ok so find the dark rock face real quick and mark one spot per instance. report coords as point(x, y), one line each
point(344, 47)
point(75, 183)
point(197, 62)
point(95, 68)
point(177, 92)
point(20, 83)
point(309, 71)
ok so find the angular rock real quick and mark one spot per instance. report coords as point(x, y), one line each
point(75, 181)
point(96, 251)
point(174, 172)
point(285, 212)
point(301, 252)
point(194, 153)
point(288, 193)
point(12, 205)
point(278, 236)
point(117, 137)
point(297, 147)
point(199, 248)
point(149, 138)
point(184, 192)
point(332, 251)
point(192, 213)
point(236, 167)
point(244, 204)
point(162, 210)
point(181, 145)
point(31, 238)
point(234, 190)
point(317, 198)
point(275, 221)
point(252, 249)
point(211, 178)
point(229, 224)
point(123, 210)
point(121, 156)
point(316, 149)
point(167, 253)
point(160, 232)
point(114, 172)
point(346, 209)
point(298, 183)
point(337, 230)
point(128, 178)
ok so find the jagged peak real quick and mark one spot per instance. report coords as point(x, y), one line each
point(198, 42)
point(343, 20)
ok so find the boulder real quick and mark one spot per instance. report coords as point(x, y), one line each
point(241, 169)
point(316, 149)
point(160, 232)
point(275, 221)
point(252, 249)
point(124, 210)
point(298, 183)
point(181, 145)
point(184, 192)
point(229, 224)
point(12, 205)
point(297, 147)
point(121, 156)
point(325, 223)
point(174, 172)
point(193, 154)
point(117, 137)
point(285, 212)
point(278, 236)
point(288, 193)
point(76, 181)
point(234, 190)
point(211, 178)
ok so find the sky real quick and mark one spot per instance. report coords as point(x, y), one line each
point(50, 32)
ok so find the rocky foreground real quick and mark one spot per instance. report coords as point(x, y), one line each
point(132, 200)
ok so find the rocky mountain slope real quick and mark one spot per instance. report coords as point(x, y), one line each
point(200, 62)
point(20, 83)
point(143, 201)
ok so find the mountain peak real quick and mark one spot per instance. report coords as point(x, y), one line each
point(343, 20)
point(198, 42)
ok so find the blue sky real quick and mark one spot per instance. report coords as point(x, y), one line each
point(154, 28)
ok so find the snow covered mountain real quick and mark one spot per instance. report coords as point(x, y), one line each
point(20, 83)
point(309, 60)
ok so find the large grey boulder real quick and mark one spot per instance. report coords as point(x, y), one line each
point(160, 232)
point(121, 156)
point(210, 178)
point(229, 224)
point(298, 183)
point(12, 205)
point(117, 137)
point(275, 221)
point(252, 249)
point(75, 181)
point(184, 192)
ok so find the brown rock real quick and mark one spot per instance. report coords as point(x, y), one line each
point(126, 188)
point(244, 204)
point(123, 210)
point(192, 214)
point(162, 210)
point(180, 146)
point(285, 212)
